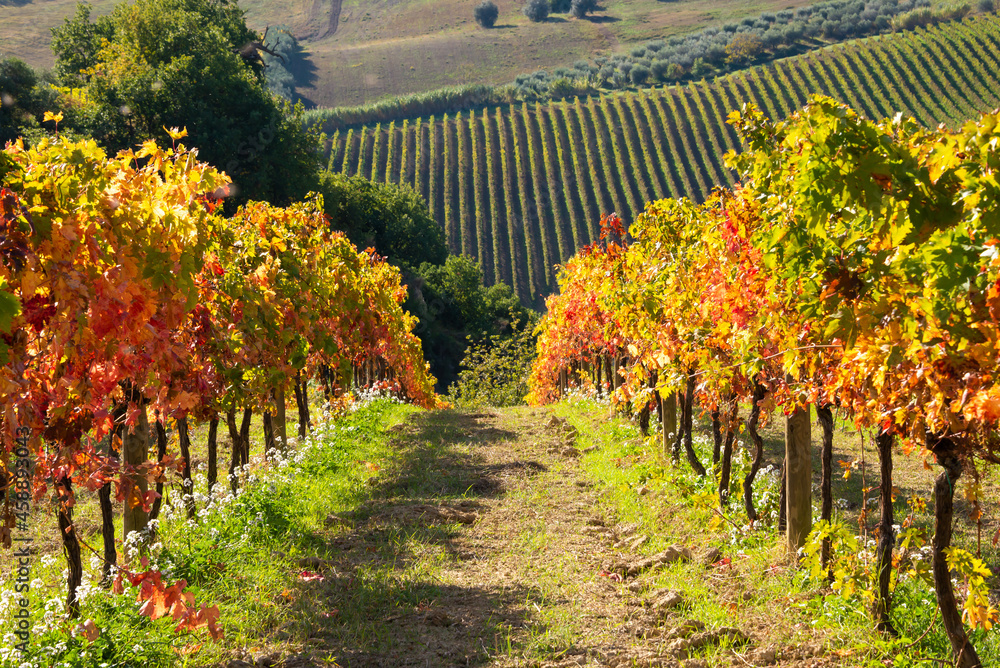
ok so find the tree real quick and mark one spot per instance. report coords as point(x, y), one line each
point(743, 47)
point(639, 74)
point(22, 101)
point(536, 10)
point(455, 307)
point(393, 219)
point(157, 64)
point(486, 13)
point(561, 6)
point(580, 8)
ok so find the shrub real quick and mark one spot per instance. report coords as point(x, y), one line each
point(561, 87)
point(743, 47)
point(486, 13)
point(536, 10)
point(675, 71)
point(496, 371)
point(986, 5)
point(639, 74)
point(701, 68)
point(580, 8)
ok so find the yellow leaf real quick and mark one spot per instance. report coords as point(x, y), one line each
point(176, 134)
point(149, 147)
point(49, 116)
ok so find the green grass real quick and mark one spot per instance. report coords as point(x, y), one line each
point(759, 588)
point(243, 555)
point(616, 151)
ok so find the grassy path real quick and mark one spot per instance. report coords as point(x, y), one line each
point(474, 548)
point(483, 541)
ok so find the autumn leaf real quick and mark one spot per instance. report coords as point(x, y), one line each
point(176, 134)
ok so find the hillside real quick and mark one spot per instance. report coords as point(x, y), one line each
point(522, 187)
point(358, 52)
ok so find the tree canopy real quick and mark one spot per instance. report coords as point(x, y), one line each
point(156, 64)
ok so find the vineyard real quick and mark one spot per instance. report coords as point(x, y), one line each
point(853, 272)
point(133, 309)
point(521, 187)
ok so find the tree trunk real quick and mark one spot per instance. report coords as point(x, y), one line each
point(278, 422)
point(302, 402)
point(798, 476)
point(824, 414)
point(213, 452)
point(783, 497)
point(71, 546)
point(135, 451)
point(107, 533)
point(716, 437)
point(944, 492)
point(237, 454)
point(886, 539)
point(644, 412)
point(759, 392)
point(104, 497)
point(608, 375)
point(245, 437)
point(269, 443)
point(727, 452)
point(161, 452)
point(184, 440)
point(689, 426)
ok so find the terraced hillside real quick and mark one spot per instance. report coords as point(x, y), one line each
point(522, 187)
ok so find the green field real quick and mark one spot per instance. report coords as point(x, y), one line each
point(522, 187)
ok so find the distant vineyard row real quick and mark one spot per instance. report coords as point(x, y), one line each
point(521, 187)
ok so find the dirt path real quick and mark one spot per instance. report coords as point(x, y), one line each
point(483, 545)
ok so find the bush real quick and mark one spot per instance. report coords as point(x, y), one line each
point(496, 371)
point(486, 13)
point(560, 88)
point(537, 10)
point(639, 74)
point(561, 6)
point(659, 69)
point(986, 5)
point(701, 68)
point(580, 8)
point(743, 47)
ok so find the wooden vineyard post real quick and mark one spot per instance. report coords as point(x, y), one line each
point(278, 419)
point(798, 476)
point(135, 449)
point(668, 418)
